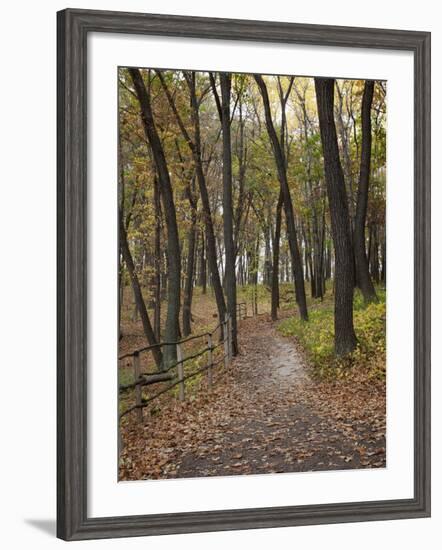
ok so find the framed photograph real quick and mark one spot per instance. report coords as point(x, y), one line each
point(243, 274)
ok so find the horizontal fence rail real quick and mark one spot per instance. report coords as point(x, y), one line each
point(174, 373)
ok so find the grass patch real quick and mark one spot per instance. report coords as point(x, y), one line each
point(317, 338)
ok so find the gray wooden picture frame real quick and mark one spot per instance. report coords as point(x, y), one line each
point(74, 25)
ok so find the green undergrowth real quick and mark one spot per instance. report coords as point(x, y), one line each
point(247, 293)
point(317, 337)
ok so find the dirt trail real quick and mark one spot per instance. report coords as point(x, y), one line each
point(265, 415)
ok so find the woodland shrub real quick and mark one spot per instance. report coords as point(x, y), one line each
point(316, 337)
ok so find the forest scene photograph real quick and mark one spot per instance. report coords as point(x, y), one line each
point(252, 273)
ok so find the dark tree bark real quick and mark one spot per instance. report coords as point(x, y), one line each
point(310, 272)
point(188, 287)
point(173, 248)
point(328, 264)
point(288, 206)
point(343, 131)
point(275, 268)
point(242, 165)
point(191, 243)
point(139, 300)
point(188, 176)
point(225, 81)
point(157, 297)
point(203, 267)
point(267, 269)
point(374, 263)
point(121, 198)
point(345, 338)
point(318, 246)
point(361, 262)
point(312, 239)
point(195, 148)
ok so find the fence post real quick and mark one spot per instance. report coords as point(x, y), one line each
point(226, 339)
point(210, 360)
point(180, 365)
point(138, 397)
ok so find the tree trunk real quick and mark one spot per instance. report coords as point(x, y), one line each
point(120, 294)
point(375, 255)
point(241, 157)
point(139, 300)
point(328, 265)
point(230, 276)
point(361, 262)
point(267, 271)
point(288, 206)
point(173, 248)
point(188, 287)
point(275, 269)
point(203, 266)
point(383, 259)
point(121, 198)
point(345, 338)
point(195, 148)
point(157, 298)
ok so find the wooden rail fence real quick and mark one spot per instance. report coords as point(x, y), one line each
point(175, 373)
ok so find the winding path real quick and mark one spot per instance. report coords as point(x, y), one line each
point(273, 426)
point(264, 415)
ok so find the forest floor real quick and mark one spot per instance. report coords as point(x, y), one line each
point(265, 413)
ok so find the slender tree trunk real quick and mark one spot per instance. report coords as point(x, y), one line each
point(188, 287)
point(288, 206)
point(361, 262)
point(345, 141)
point(211, 243)
point(345, 338)
point(157, 310)
point(328, 269)
point(172, 329)
point(139, 300)
point(242, 157)
point(317, 255)
point(203, 266)
point(230, 275)
point(255, 253)
point(267, 272)
point(375, 255)
point(195, 148)
point(309, 266)
point(210, 234)
point(383, 258)
point(306, 270)
point(275, 269)
point(121, 200)
point(120, 295)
